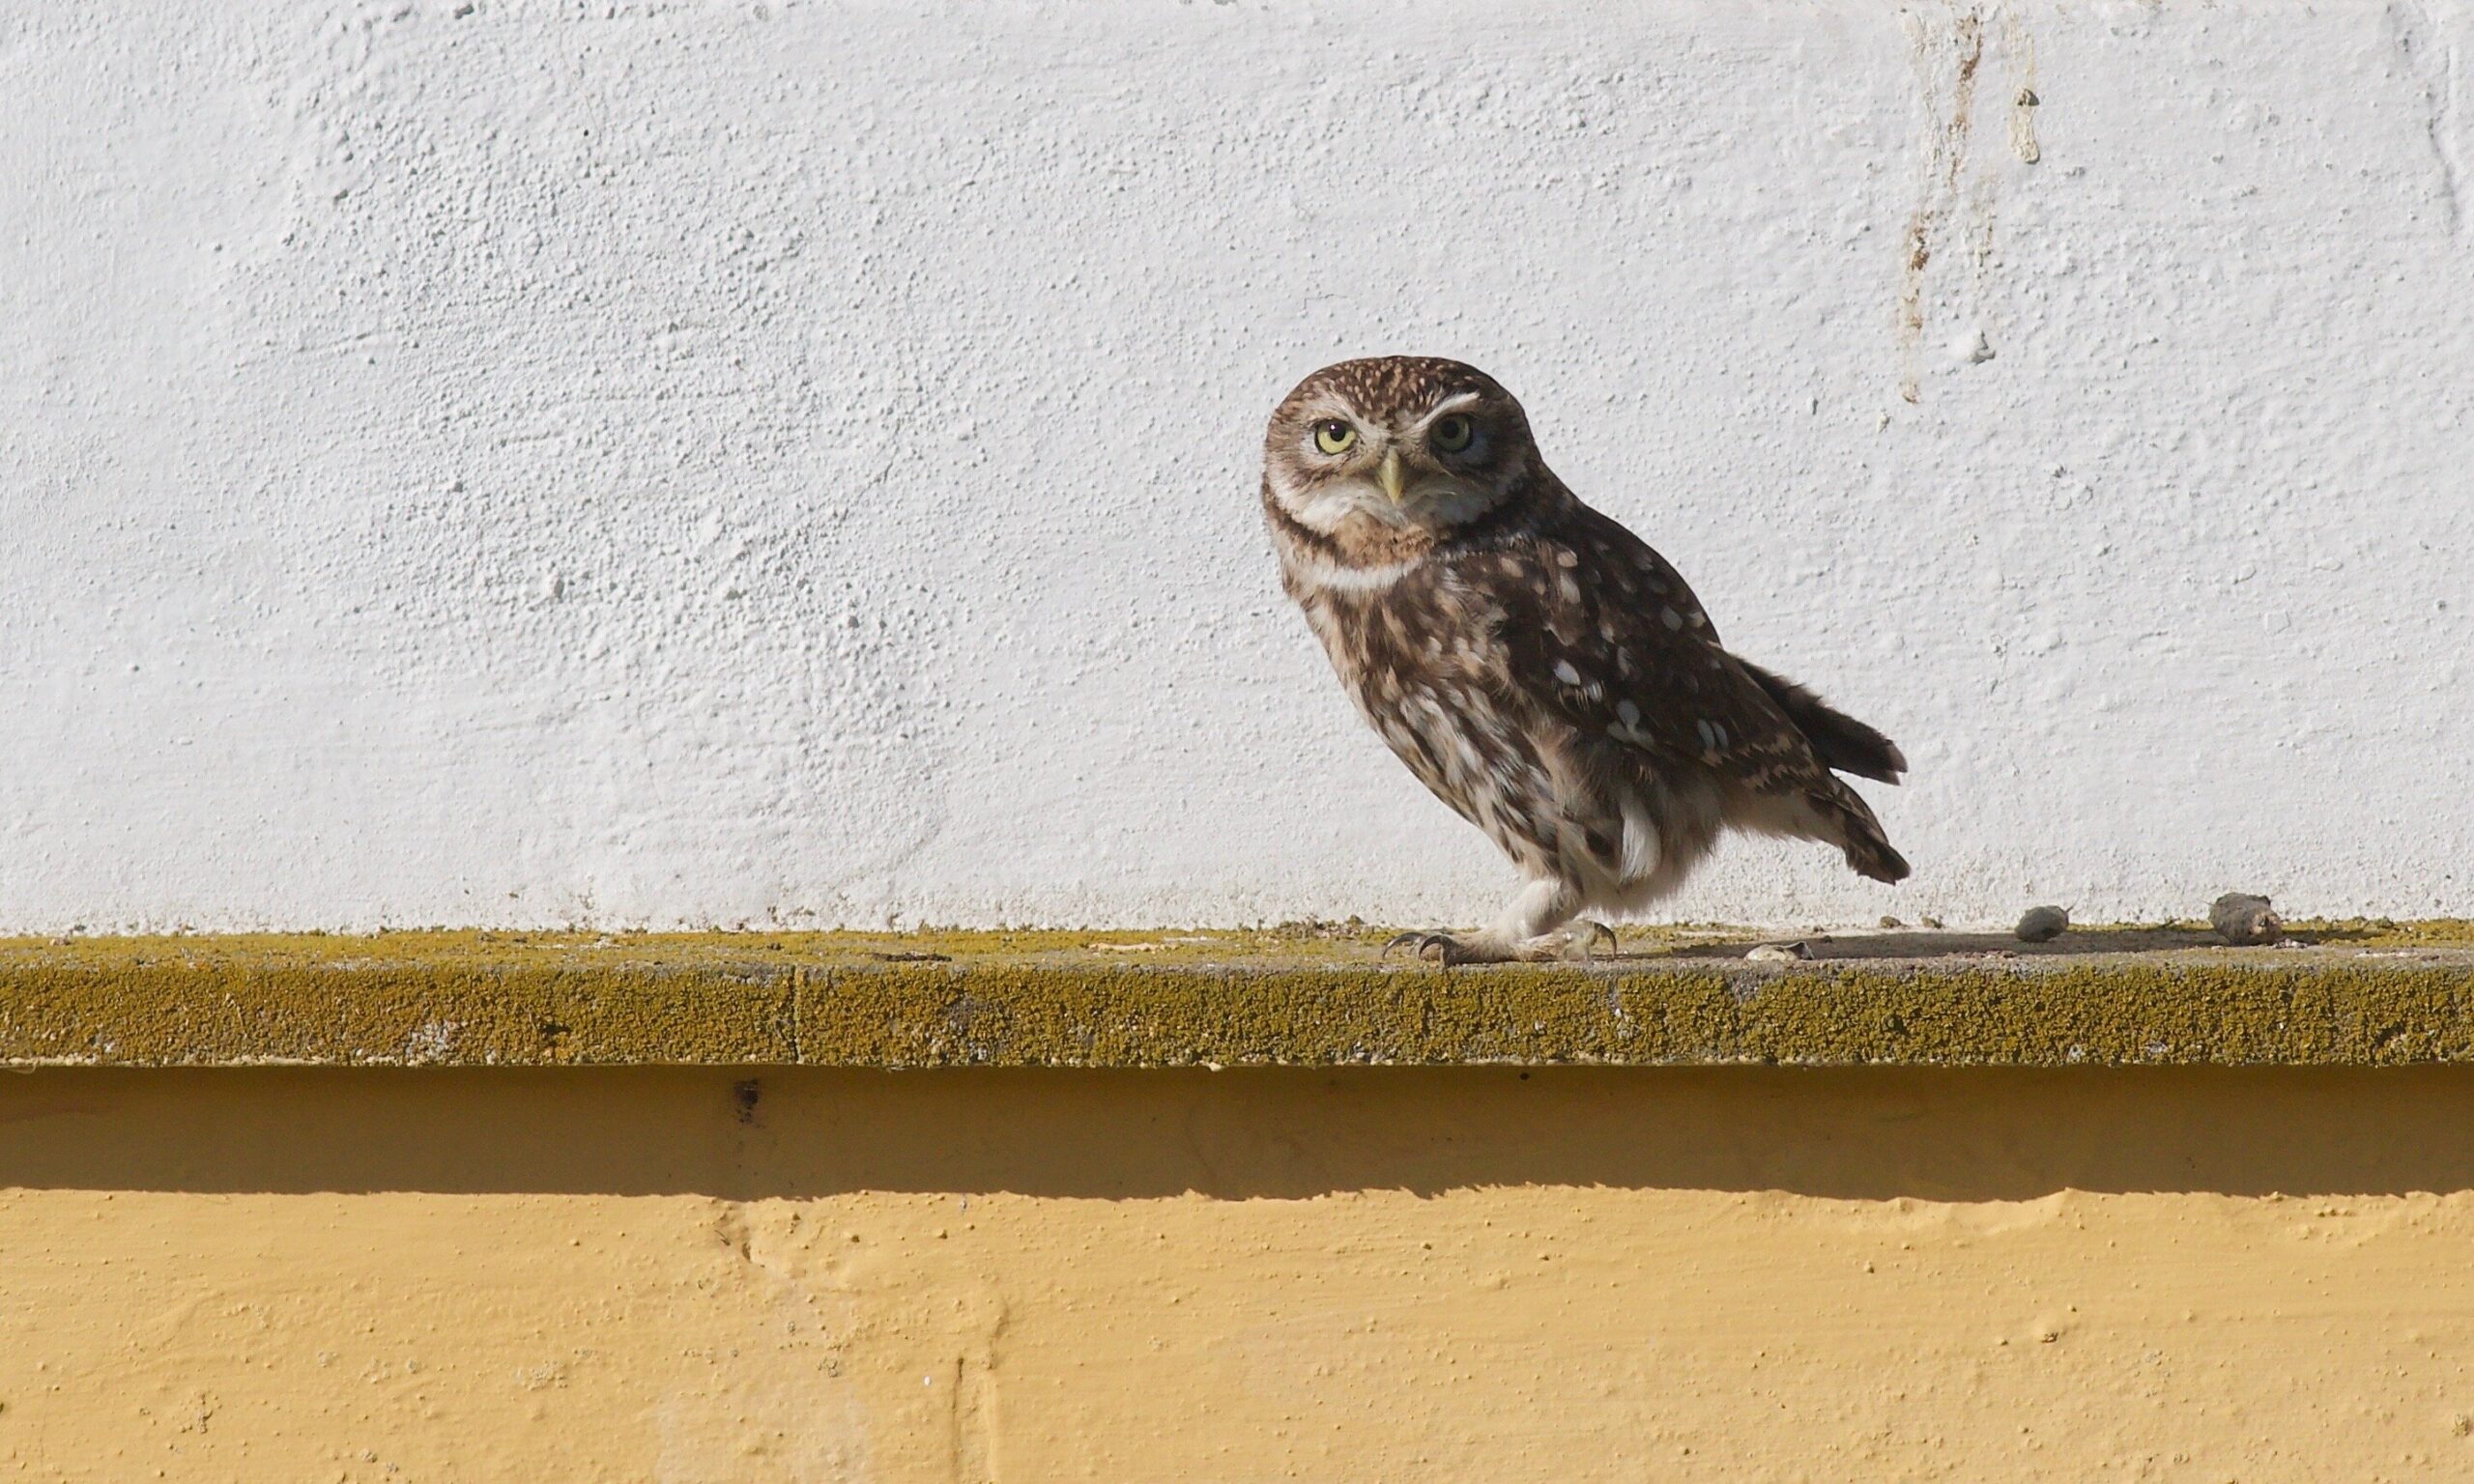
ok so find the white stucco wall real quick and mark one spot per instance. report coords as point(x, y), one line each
point(675, 462)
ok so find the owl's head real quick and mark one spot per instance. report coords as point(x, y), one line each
point(1397, 443)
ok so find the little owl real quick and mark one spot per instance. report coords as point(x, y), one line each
point(1534, 663)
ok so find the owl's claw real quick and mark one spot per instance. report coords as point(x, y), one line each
point(1419, 942)
point(1566, 946)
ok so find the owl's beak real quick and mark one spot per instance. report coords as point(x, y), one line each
point(1389, 474)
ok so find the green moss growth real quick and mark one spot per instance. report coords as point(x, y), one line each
point(1304, 996)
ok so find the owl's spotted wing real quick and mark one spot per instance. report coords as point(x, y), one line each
point(1601, 631)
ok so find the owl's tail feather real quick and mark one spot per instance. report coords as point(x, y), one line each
point(1840, 741)
point(1859, 834)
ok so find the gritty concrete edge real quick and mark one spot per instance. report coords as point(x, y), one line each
point(712, 1001)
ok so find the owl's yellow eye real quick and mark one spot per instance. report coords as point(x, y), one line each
point(1334, 436)
point(1452, 433)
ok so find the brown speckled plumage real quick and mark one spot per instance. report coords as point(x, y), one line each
point(1534, 663)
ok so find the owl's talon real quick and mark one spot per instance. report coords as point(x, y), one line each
point(1598, 930)
point(1419, 942)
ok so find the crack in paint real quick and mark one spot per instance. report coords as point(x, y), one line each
point(1944, 162)
point(2023, 101)
point(1948, 62)
point(2421, 38)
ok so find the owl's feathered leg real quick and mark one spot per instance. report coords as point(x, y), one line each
point(1538, 927)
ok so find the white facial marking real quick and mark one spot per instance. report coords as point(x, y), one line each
point(1335, 504)
point(1437, 503)
point(1316, 571)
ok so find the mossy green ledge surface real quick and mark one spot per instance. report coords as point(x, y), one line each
point(1317, 996)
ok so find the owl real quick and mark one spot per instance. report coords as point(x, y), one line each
point(1534, 663)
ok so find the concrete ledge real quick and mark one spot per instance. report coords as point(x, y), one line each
point(2351, 994)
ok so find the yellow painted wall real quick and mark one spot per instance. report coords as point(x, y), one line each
point(1468, 1274)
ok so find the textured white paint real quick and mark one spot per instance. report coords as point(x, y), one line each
point(675, 462)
